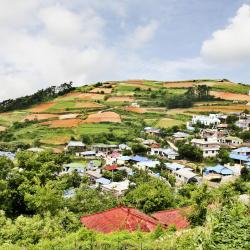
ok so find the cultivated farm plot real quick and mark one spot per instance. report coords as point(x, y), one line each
point(230, 96)
point(135, 109)
point(69, 123)
point(101, 90)
point(7, 119)
point(121, 99)
point(88, 105)
point(55, 139)
point(186, 84)
point(39, 117)
point(167, 123)
point(103, 117)
point(223, 109)
point(42, 107)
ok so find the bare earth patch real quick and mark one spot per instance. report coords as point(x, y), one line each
point(121, 99)
point(102, 90)
point(40, 117)
point(135, 109)
point(230, 96)
point(68, 116)
point(88, 105)
point(2, 128)
point(42, 107)
point(103, 117)
point(91, 96)
point(70, 123)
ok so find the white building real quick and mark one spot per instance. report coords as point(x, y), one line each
point(118, 188)
point(165, 152)
point(210, 146)
point(206, 120)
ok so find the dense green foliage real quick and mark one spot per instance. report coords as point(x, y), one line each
point(38, 97)
point(190, 152)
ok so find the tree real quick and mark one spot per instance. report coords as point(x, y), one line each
point(190, 152)
point(152, 196)
point(45, 198)
point(223, 156)
point(139, 149)
point(245, 174)
point(6, 166)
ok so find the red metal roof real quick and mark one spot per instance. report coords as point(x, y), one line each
point(175, 217)
point(120, 218)
point(111, 167)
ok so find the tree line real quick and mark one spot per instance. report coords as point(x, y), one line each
point(36, 98)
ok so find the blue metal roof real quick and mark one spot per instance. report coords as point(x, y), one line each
point(138, 158)
point(103, 181)
point(174, 166)
point(239, 157)
point(241, 150)
point(9, 155)
point(219, 169)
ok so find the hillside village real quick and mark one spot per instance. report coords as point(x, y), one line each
point(113, 138)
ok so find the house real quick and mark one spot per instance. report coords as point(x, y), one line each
point(206, 120)
point(187, 176)
point(87, 154)
point(104, 148)
point(176, 217)
point(240, 155)
point(243, 124)
point(75, 146)
point(210, 146)
point(215, 133)
point(75, 166)
point(180, 136)
point(173, 167)
point(147, 164)
point(138, 158)
point(124, 147)
point(111, 168)
point(118, 219)
point(9, 155)
point(118, 188)
point(230, 141)
point(218, 169)
point(152, 131)
point(103, 181)
point(164, 152)
point(94, 174)
point(123, 160)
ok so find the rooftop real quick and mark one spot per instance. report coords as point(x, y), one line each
point(120, 218)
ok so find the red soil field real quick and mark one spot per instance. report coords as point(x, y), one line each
point(70, 123)
point(135, 109)
point(91, 96)
point(103, 117)
point(230, 96)
point(42, 107)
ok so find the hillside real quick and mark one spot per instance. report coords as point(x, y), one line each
point(120, 107)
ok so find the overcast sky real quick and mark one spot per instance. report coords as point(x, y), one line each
point(47, 42)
